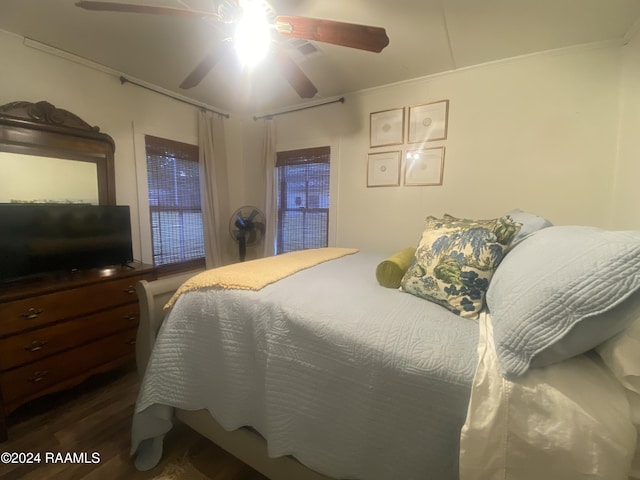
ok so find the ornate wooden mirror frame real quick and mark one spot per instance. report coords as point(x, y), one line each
point(42, 130)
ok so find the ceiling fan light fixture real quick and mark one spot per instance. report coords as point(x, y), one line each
point(252, 35)
point(256, 21)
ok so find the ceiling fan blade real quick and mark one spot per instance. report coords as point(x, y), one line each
point(294, 75)
point(205, 66)
point(362, 37)
point(131, 8)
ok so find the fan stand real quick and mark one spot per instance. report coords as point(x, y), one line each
point(242, 245)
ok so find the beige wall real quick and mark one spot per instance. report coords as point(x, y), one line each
point(125, 112)
point(626, 201)
point(537, 133)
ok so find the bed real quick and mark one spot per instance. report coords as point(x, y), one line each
point(325, 372)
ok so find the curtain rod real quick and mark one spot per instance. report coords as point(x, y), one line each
point(269, 115)
point(124, 80)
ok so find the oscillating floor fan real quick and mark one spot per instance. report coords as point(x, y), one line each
point(246, 227)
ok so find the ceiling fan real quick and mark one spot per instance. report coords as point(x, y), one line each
point(232, 12)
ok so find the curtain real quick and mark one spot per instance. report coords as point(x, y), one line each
point(213, 186)
point(271, 209)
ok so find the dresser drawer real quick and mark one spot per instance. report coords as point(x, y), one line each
point(29, 313)
point(42, 342)
point(25, 382)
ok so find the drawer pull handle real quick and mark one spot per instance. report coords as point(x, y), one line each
point(38, 376)
point(32, 313)
point(35, 346)
point(131, 341)
point(130, 290)
point(130, 316)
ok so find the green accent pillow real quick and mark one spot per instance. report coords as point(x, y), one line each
point(390, 271)
point(455, 261)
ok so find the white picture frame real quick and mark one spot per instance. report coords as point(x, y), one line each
point(428, 122)
point(386, 128)
point(424, 167)
point(383, 169)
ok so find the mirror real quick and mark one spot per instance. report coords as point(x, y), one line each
point(76, 182)
point(39, 143)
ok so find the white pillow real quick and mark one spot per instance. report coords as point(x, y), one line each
point(622, 355)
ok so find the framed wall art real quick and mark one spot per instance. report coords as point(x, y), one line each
point(424, 167)
point(428, 122)
point(386, 128)
point(383, 169)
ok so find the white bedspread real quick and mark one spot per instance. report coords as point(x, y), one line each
point(568, 421)
point(354, 380)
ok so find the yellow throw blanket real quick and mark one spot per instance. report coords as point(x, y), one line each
point(257, 274)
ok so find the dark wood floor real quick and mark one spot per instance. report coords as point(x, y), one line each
point(96, 417)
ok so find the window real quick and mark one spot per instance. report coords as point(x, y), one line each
point(174, 203)
point(303, 199)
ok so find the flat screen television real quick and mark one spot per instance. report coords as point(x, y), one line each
point(37, 239)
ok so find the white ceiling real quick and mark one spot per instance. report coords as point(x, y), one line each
point(426, 37)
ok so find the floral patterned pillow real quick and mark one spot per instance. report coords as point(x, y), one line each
point(455, 261)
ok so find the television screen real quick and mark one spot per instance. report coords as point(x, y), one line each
point(41, 238)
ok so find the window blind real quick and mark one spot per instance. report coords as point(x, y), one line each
point(173, 176)
point(303, 199)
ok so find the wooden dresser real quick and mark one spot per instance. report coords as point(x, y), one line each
point(55, 333)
